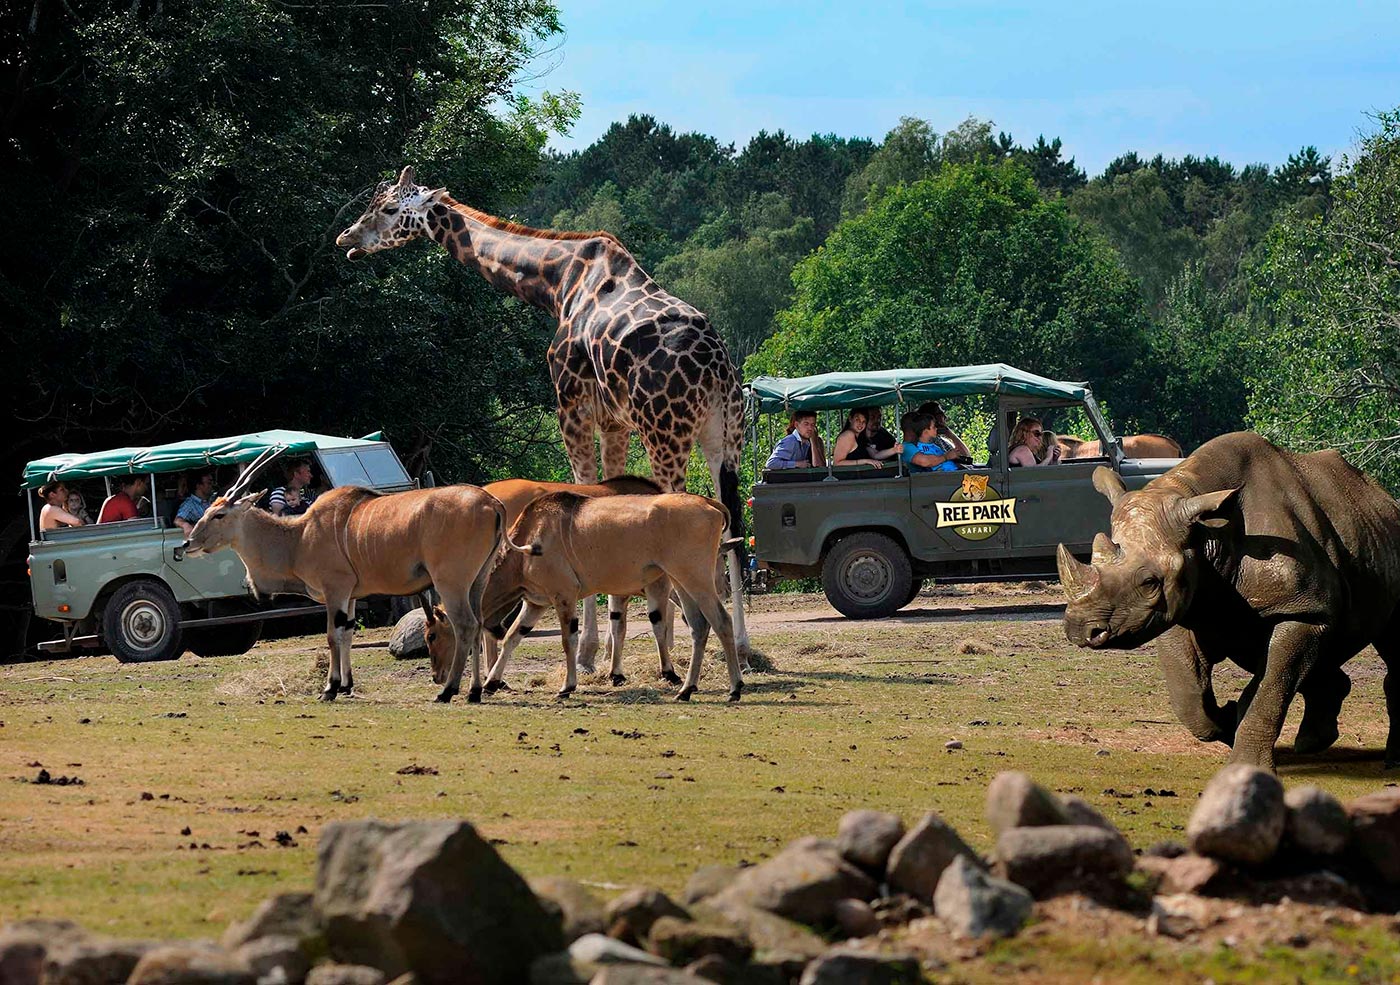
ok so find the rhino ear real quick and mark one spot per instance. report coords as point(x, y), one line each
point(1108, 482)
point(1205, 510)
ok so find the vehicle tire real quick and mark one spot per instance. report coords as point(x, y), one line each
point(141, 623)
point(916, 585)
point(224, 641)
point(867, 576)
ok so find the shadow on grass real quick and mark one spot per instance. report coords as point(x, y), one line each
point(1338, 762)
point(985, 613)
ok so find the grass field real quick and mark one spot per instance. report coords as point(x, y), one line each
point(190, 769)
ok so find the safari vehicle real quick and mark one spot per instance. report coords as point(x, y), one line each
point(128, 587)
point(874, 534)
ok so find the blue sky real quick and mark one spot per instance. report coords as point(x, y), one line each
point(1245, 81)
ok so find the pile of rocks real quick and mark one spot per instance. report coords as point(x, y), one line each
point(431, 901)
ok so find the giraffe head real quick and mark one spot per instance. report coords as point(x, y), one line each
point(396, 214)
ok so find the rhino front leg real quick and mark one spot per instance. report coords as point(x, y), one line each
point(1188, 675)
point(1294, 649)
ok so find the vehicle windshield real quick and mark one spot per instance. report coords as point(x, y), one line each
point(374, 467)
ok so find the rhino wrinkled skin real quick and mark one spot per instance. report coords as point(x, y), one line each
point(1287, 564)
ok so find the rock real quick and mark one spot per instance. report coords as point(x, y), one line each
point(1014, 800)
point(855, 918)
point(283, 915)
point(708, 880)
point(190, 964)
point(431, 897)
point(974, 904)
point(1240, 816)
point(579, 911)
point(629, 917)
point(1316, 821)
point(865, 838)
point(25, 943)
point(683, 941)
point(407, 641)
point(918, 861)
point(275, 957)
point(802, 882)
point(1165, 849)
point(631, 974)
point(597, 950)
point(1197, 874)
point(1045, 859)
point(776, 941)
point(1177, 915)
point(712, 968)
point(558, 969)
point(345, 974)
point(843, 965)
point(1375, 832)
point(93, 960)
point(1077, 810)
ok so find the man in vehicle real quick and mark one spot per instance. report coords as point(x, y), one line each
point(201, 494)
point(295, 497)
point(121, 505)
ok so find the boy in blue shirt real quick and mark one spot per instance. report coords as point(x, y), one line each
point(922, 451)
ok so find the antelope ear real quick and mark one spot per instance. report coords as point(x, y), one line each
point(407, 178)
point(1108, 482)
point(1205, 510)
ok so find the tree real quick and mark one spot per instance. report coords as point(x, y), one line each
point(1052, 173)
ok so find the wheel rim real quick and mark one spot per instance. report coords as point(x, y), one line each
point(868, 577)
point(143, 624)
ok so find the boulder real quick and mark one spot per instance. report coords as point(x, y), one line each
point(683, 941)
point(345, 974)
point(578, 910)
point(777, 941)
point(283, 915)
point(974, 904)
point(190, 964)
point(802, 882)
point(632, 974)
point(1240, 816)
point(1316, 821)
point(558, 969)
point(92, 960)
point(431, 897)
point(844, 965)
point(629, 917)
point(1177, 915)
point(1375, 832)
point(856, 918)
point(1014, 800)
point(597, 950)
point(713, 968)
point(407, 642)
point(1047, 859)
point(275, 957)
point(865, 838)
point(1191, 874)
point(917, 862)
point(708, 880)
point(25, 943)
point(1077, 810)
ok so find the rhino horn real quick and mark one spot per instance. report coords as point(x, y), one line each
point(1105, 550)
point(1110, 484)
point(1078, 578)
point(1198, 509)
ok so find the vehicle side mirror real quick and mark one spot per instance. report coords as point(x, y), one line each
point(427, 480)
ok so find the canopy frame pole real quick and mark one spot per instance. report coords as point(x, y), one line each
point(898, 422)
point(155, 513)
point(33, 532)
point(830, 473)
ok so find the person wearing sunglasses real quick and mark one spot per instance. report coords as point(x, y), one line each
point(1028, 445)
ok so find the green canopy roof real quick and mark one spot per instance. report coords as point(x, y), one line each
point(831, 391)
point(181, 455)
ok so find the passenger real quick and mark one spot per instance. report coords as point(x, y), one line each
point(921, 450)
point(53, 516)
point(802, 447)
point(850, 443)
point(1028, 445)
point(201, 485)
point(994, 438)
point(879, 443)
point(298, 486)
point(945, 435)
point(77, 505)
point(121, 505)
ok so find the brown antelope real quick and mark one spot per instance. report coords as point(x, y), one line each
point(354, 542)
point(618, 545)
point(1134, 446)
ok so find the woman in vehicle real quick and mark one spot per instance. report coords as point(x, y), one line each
point(53, 516)
point(1028, 445)
point(801, 447)
point(850, 443)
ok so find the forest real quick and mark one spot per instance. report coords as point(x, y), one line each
point(178, 173)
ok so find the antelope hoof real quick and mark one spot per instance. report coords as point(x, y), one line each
point(734, 694)
point(332, 689)
point(564, 693)
point(446, 694)
point(671, 677)
point(492, 687)
point(684, 693)
point(618, 680)
point(348, 691)
point(587, 668)
point(474, 696)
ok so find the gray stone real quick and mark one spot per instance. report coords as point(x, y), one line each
point(1048, 859)
point(558, 969)
point(683, 941)
point(93, 960)
point(431, 897)
point(1014, 800)
point(776, 940)
point(974, 904)
point(283, 915)
point(629, 917)
point(708, 880)
point(579, 911)
point(865, 838)
point(918, 861)
point(712, 968)
point(1177, 915)
point(407, 641)
point(1375, 832)
point(632, 974)
point(345, 974)
point(802, 882)
point(1079, 811)
point(1240, 816)
point(599, 949)
point(275, 958)
point(190, 964)
point(1191, 874)
point(844, 965)
point(1316, 821)
point(856, 918)
point(24, 944)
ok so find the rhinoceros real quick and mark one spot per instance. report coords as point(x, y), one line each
point(1287, 564)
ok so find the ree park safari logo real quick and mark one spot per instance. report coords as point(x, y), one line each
point(976, 510)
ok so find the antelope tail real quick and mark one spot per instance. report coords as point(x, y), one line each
point(532, 549)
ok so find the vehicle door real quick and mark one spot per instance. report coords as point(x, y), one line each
point(1058, 504)
point(956, 512)
point(209, 576)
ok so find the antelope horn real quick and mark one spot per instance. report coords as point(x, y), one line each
point(1077, 578)
point(245, 477)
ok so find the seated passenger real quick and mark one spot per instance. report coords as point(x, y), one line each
point(945, 435)
point(1028, 445)
point(921, 451)
point(201, 494)
point(77, 505)
point(879, 443)
point(994, 438)
point(121, 505)
point(53, 516)
point(850, 443)
point(801, 448)
point(299, 486)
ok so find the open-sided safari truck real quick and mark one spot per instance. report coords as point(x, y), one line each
point(128, 587)
point(874, 534)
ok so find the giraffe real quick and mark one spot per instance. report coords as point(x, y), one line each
point(627, 356)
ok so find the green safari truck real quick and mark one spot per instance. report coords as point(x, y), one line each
point(127, 586)
point(874, 534)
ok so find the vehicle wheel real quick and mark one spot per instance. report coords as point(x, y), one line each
point(224, 641)
point(867, 576)
point(142, 622)
point(916, 585)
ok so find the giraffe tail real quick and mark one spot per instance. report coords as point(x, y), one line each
point(729, 496)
